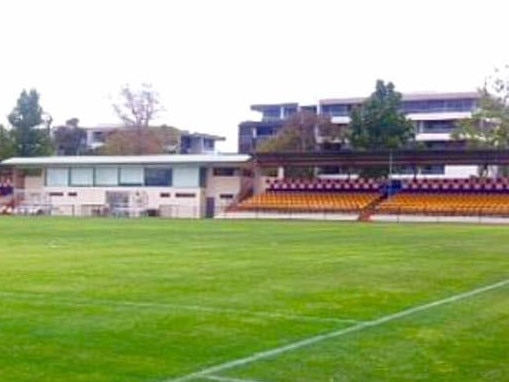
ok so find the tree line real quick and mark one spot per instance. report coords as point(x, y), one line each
point(31, 132)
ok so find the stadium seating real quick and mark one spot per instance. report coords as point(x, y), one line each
point(317, 195)
point(309, 201)
point(464, 197)
point(488, 197)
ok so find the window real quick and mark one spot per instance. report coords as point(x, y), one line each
point(82, 176)
point(158, 177)
point(106, 176)
point(208, 144)
point(264, 131)
point(272, 113)
point(186, 177)
point(438, 126)
point(433, 170)
point(57, 177)
point(185, 195)
point(203, 177)
point(337, 110)
point(131, 176)
point(98, 137)
point(289, 111)
point(224, 171)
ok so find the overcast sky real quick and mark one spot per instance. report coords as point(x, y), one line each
point(210, 60)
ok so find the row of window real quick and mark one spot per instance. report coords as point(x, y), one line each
point(109, 176)
point(430, 106)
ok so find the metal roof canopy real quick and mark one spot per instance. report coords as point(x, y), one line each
point(357, 158)
point(202, 159)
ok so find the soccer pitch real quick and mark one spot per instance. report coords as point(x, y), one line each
point(151, 300)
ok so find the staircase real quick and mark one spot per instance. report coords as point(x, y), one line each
point(366, 212)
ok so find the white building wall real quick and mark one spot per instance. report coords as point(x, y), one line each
point(218, 187)
point(34, 182)
point(88, 201)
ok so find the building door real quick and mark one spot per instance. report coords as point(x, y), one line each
point(210, 207)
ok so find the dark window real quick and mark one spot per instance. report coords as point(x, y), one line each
point(203, 177)
point(56, 194)
point(224, 171)
point(438, 126)
point(185, 195)
point(158, 177)
point(289, 111)
point(433, 170)
point(98, 137)
point(272, 113)
point(208, 144)
point(72, 194)
point(312, 109)
point(226, 196)
point(264, 131)
point(164, 194)
point(335, 110)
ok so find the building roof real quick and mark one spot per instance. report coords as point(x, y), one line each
point(128, 159)
point(262, 107)
point(420, 96)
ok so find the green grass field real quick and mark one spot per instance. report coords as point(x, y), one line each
point(242, 301)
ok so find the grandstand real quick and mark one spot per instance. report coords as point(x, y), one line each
point(317, 195)
point(365, 197)
point(463, 197)
point(410, 195)
point(223, 186)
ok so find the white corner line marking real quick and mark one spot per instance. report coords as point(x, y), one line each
point(337, 333)
point(226, 379)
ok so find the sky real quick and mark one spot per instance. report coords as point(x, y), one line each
point(210, 60)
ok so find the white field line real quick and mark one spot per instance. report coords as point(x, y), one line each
point(197, 308)
point(337, 333)
point(226, 379)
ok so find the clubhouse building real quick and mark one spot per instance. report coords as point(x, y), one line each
point(188, 186)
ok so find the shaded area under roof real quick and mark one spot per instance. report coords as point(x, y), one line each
point(356, 158)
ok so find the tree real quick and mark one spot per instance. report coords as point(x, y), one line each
point(6, 143)
point(30, 131)
point(136, 108)
point(304, 131)
point(488, 126)
point(155, 140)
point(70, 139)
point(378, 123)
